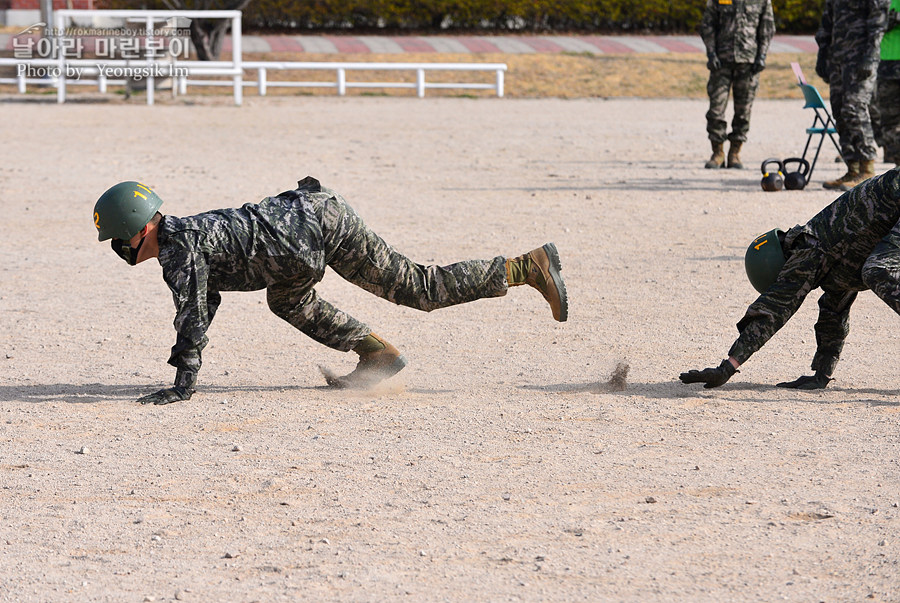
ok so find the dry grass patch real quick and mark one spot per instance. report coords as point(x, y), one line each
point(562, 75)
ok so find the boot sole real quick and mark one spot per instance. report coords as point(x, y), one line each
point(555, 267)
point(371, 378)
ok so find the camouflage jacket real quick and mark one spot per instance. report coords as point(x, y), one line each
point(828, 252)
point(738, 31)
point(242, 249)
point(850, 32)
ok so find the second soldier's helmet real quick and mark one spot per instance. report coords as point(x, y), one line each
point(123, 210)
point(764, 259)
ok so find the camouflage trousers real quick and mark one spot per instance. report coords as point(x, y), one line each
point(850, 100)
point(360, 256)
point(739, 79)
point(888, 103)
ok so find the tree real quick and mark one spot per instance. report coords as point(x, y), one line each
point(207, 34)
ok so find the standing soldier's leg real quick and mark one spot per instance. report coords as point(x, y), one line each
point(858, 94)
point(745, 86)
point(875, 116)
point(889, 108)
point(717, 88)
point(848, 151)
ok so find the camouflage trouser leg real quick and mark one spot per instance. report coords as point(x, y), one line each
point(850, 98)
point(298, 303)
point(359, 255)
point(889, 105)
point(881, 272)
point(875, 115)
point(739, 79)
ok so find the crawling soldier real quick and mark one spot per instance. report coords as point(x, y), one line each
point(283, 245)
point(850, 246)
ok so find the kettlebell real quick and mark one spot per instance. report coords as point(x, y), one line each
point(772, 181)
point(796, 180)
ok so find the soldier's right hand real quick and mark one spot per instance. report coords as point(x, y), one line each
point(712, 62)
point(167, 396)
point(710, 377)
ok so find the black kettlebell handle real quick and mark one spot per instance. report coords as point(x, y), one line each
point(802, 165)
point(776, 161)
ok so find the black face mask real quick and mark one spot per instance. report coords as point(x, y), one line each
point(125, 251)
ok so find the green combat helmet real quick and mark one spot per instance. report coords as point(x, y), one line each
point(764, 259)
point(123, 210)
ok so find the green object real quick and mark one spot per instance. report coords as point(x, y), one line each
point(764, 259)
point(890, 44)
point(123, 210)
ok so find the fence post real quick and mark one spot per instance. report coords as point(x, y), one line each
point(261, 80)
point(236, 58)
point(151, 81)
point(420, 82)
point(341, 81)
point(500, 83)
point(61, 78)
point(21, 83)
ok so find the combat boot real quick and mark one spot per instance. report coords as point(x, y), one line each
point(378, 360)
point(718, 156)
point(540, 269)
point(866, 171)
point(734, 156)
point(851, 175)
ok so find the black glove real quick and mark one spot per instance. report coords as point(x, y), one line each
point(758, 65)
point(712, 377)
point(818, 381)
point(167, 396)
point(893, 19)
point(712, 62)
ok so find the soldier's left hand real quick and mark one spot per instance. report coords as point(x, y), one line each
point(758, 66)
point(818, 381)
point(167, 396)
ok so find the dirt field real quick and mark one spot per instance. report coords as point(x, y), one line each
point(501, 464)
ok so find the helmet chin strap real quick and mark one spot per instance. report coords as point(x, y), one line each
point(125, 251)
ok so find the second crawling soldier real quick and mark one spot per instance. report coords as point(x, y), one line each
point(283, 245)
point(850, 246)
point(737, 34)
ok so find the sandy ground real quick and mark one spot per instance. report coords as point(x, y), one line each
point(499, 465)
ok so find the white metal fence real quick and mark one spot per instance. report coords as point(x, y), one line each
point(96, 72)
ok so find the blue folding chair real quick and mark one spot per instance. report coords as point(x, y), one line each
point(823, 123)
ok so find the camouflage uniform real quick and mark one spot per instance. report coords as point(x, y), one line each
point(737, 33)
point(850, 246)
point(283, 245)
point(888, 89)
point(848, 37)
